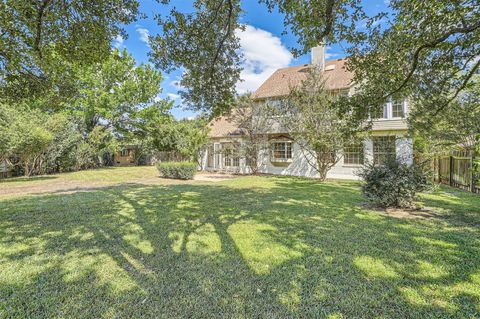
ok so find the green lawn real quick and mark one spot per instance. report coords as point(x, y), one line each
point(263, 247)
point(107, 175)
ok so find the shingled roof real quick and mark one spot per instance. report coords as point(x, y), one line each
point(279, 83)
point(223, 126)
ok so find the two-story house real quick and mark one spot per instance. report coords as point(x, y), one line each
point(388, 136)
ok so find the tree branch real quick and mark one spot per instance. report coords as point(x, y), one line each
point(224, 38)
point(217, 9)
point(328, 20)
point(432, 44)
point(39, 22)
point(470, 74)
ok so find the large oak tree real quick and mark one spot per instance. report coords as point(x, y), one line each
point(429, 49)
point(38, 37)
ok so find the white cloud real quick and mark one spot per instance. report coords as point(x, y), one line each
point(118, 42)
point(144, 34)
point(263, 53)
point(173, 96)
point(329, 55)
point(176, 84)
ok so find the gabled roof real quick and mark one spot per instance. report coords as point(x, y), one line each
point(223, 126)
point(281, 81)
point(278, 85)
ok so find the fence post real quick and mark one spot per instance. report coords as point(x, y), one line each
point(439, 166)
point(472, 174)
point(450, 177)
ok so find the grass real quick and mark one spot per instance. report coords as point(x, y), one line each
point(107, 175)
point(269, 247)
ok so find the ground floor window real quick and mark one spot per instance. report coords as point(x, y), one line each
point(383, 149)
point(231, 157)
point(281, 150)
point(353, 153)
point(210, 155)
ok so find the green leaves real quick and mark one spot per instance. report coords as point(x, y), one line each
point(205, 46)
point(321, 21)
point(185, 137)
point(115, 92)
point(428, 52)
point(312, 118)
point(26, 136)
point(78, 30)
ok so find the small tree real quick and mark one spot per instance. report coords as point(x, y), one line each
point(184, 138)
point(28, 137)
point(310, 115)
point(253, 122)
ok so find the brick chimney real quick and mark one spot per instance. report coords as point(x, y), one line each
point(318, 57)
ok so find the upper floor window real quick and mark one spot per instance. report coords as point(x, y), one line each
point(381, 112)
point(390, 110)
point(397, 108)
point(353, 153)
point(125, 152)
point(281, 151)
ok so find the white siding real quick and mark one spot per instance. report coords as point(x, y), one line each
point(389, 125)
point(299, 165)
point(404, 148)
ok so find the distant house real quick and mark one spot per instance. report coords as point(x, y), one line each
point(4, 171)
point(388, 135)
point(126, 156)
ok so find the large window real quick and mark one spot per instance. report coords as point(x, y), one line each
point(281, 151)
point(383, 149)
point(397, 108)
point(231, 156)
point(353, 154)
point(125, 153)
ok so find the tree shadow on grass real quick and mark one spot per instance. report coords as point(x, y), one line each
point(292, 248)
point(26, 179)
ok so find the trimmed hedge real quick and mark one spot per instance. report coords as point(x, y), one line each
point(177, 170)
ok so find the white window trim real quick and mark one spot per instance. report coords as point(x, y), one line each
point(389, 110)
point(355, 165)
point(404, 107)
point(274, 159)
point(231, 158)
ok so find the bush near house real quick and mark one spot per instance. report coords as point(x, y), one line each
point(393, 184)
point(177, 170)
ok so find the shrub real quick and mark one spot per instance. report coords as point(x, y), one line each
point(177, 170)
point(393, 184)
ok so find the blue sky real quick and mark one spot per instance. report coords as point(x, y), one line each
point(264, 47)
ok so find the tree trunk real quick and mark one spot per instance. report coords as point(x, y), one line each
point(322, 174)
point(26, 169)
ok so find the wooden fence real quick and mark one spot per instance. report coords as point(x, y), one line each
point(457, 171)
